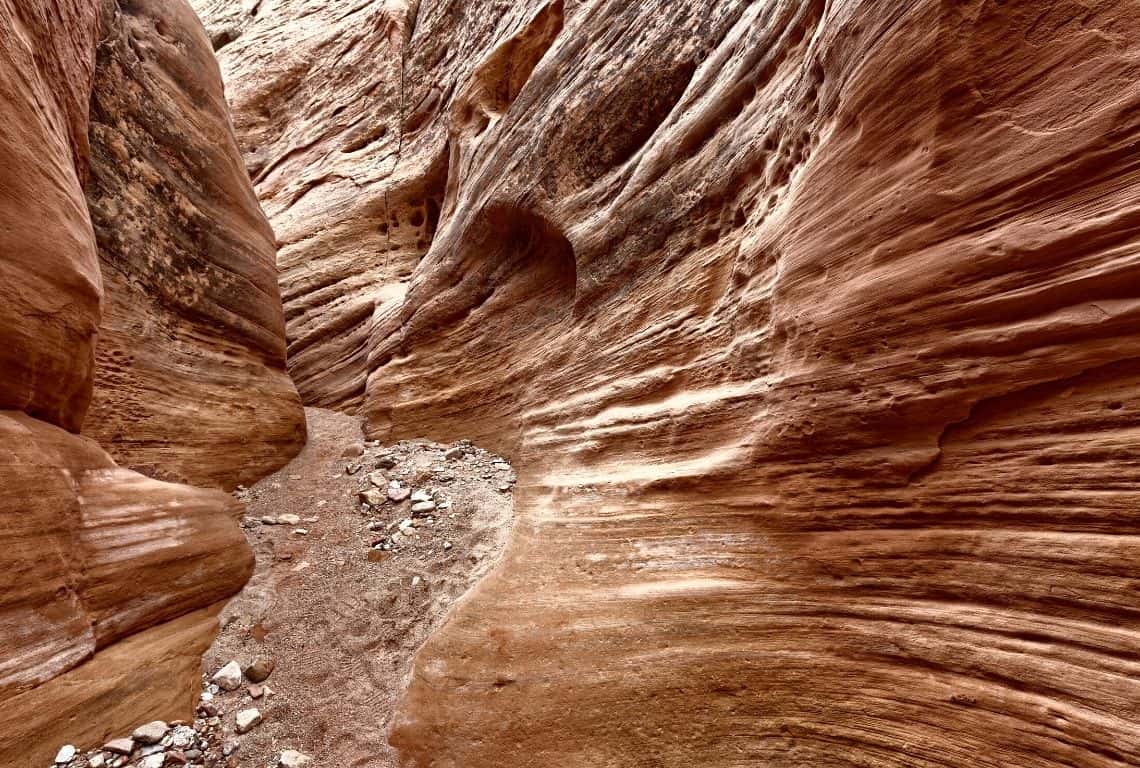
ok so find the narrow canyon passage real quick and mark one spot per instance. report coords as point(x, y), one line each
point(340, 617)
point(808, 326)
point(361, 551)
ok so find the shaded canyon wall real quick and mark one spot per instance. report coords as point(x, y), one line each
point(140, 307)
point(810, 326)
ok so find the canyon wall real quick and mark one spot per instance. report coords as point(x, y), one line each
point(808, 325)
point(139, 307)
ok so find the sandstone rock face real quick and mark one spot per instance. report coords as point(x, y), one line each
point(190, 368)
point(165, 313)
point(808, 325)
point(51, 284)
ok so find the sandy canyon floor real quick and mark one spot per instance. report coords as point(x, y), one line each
point(344, 594)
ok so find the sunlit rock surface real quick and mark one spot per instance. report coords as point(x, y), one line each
point(809, 326)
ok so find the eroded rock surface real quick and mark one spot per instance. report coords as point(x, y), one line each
point(809, 326)
point(190, 368)
point(165, 314)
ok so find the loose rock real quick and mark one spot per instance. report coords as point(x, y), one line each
point(291, 758)
point(65, 754)
point(152, 732)
point(228, 678)
point(260, 669)
point(120, 746)
point(246, 719)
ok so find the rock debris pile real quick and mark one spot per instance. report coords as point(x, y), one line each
point(409, 505)
point(361, 550)
point(227, 708)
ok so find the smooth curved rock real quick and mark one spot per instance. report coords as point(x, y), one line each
point(808, 325)
point(190, 368)
point(48, 268)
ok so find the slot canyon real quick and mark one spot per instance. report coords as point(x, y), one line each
point(569, 383)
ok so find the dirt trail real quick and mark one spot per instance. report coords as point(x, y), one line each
point(341, 628)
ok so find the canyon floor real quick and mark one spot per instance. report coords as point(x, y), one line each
point(349, 583)
point(342, 628)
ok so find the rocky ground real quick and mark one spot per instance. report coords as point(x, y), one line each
point(361, 551)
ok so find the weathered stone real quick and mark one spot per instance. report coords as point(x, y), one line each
point(155, 760)
point(373, 497)
point(288, 519)
point(246, 719)
point(151, 733)
point(291, 758)
point(122, 746)
point(398, 494)
point(65, 754)
point(228, 678)
point(260, 669)
point(423, 507)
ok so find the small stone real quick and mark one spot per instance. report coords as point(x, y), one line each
point(373, 497)
point(193, 754)
point(504, 488)
point(152, 732)
point(352, 468)
point(446, 545)
point(416, 581)
point(230, 746)
point(420, 496)
point(288, 519)
point(245, 720)
point(268, 520)
point(260, 670)
point(452, 454)
point(300, 531)
point(377, 479)
point(291, 758)
point(207, 709)
point(398, 494)
point(353, 451)
point(501, 466)
point(176, 757)
point(207, 696)
point(228, 678)
point(97, 761)
point(423, 507)
point(406, 525)
point(153, 761)
point(65, 754)
point(120, 746)
point(386, 462)
point(151, 749)
point(182, 737)
point(255, 691)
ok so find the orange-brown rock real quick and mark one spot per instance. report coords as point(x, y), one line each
point(113, 579)
point(808, 324)
point(48, 267)
point(190, 363)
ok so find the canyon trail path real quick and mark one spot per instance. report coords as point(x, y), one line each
point(342, 627)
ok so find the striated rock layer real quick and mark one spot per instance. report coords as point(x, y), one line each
point(165, 316)
point(809, 325)
point(191, 355)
